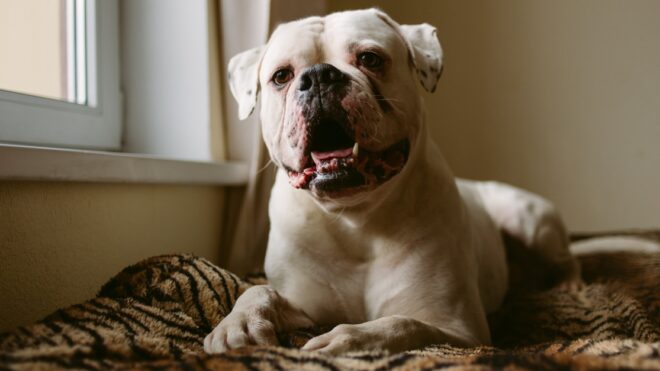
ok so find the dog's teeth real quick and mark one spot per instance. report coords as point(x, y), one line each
point(356, 148)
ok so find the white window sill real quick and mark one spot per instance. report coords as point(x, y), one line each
point(18, 162)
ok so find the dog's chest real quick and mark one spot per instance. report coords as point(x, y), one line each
point(331, 285)
point(341, 289)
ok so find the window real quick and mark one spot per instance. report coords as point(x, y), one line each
point(59, 73)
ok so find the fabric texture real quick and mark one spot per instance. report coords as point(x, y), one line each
point(156, 313)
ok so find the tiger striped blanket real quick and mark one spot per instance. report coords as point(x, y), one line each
point(156, 313)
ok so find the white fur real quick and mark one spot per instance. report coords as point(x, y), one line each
point(417, 260)
point(613, 244)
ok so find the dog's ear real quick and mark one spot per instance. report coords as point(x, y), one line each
point(426, 53)
point(424, 47)
point(243, 77)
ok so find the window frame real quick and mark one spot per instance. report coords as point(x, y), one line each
point(28, 119)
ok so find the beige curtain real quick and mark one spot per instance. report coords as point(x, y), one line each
point(237, 25)
point(249, 233)
point(218, 135)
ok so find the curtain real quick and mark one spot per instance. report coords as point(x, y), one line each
point(239, 25)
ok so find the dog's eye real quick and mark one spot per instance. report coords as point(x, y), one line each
point(370, 60)
point(281, 77)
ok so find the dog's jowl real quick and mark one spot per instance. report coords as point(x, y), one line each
point(370, 231)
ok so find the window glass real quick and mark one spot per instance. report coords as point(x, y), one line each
point(43, 48)
point(59, 73)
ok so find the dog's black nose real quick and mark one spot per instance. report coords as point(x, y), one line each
point(320, 75)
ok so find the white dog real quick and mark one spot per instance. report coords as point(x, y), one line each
point(370, 231)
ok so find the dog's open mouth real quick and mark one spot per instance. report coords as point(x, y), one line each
point(338, 166)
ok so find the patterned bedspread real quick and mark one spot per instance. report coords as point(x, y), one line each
point(155, 314)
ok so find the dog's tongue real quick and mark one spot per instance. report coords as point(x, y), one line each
point(332, 160)
point(339, 153)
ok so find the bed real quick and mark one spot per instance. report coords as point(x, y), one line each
point(156, 313)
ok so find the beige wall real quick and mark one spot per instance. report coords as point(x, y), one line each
point(59, 242)
point(561, 97)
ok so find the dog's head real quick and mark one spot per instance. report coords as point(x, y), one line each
point(340, 107)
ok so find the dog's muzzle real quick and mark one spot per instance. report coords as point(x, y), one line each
point(335, 164)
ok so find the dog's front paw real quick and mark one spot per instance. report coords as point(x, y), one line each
point(395, 333)
point(256, 317)
point(240, 329)
point(341, 339)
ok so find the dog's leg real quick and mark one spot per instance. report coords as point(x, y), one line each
point(394, 333)
point(254, 320)
point(534, 222)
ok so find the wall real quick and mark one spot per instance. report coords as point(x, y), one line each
point(59, 242)
point(561, 97)
point(166, 78)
